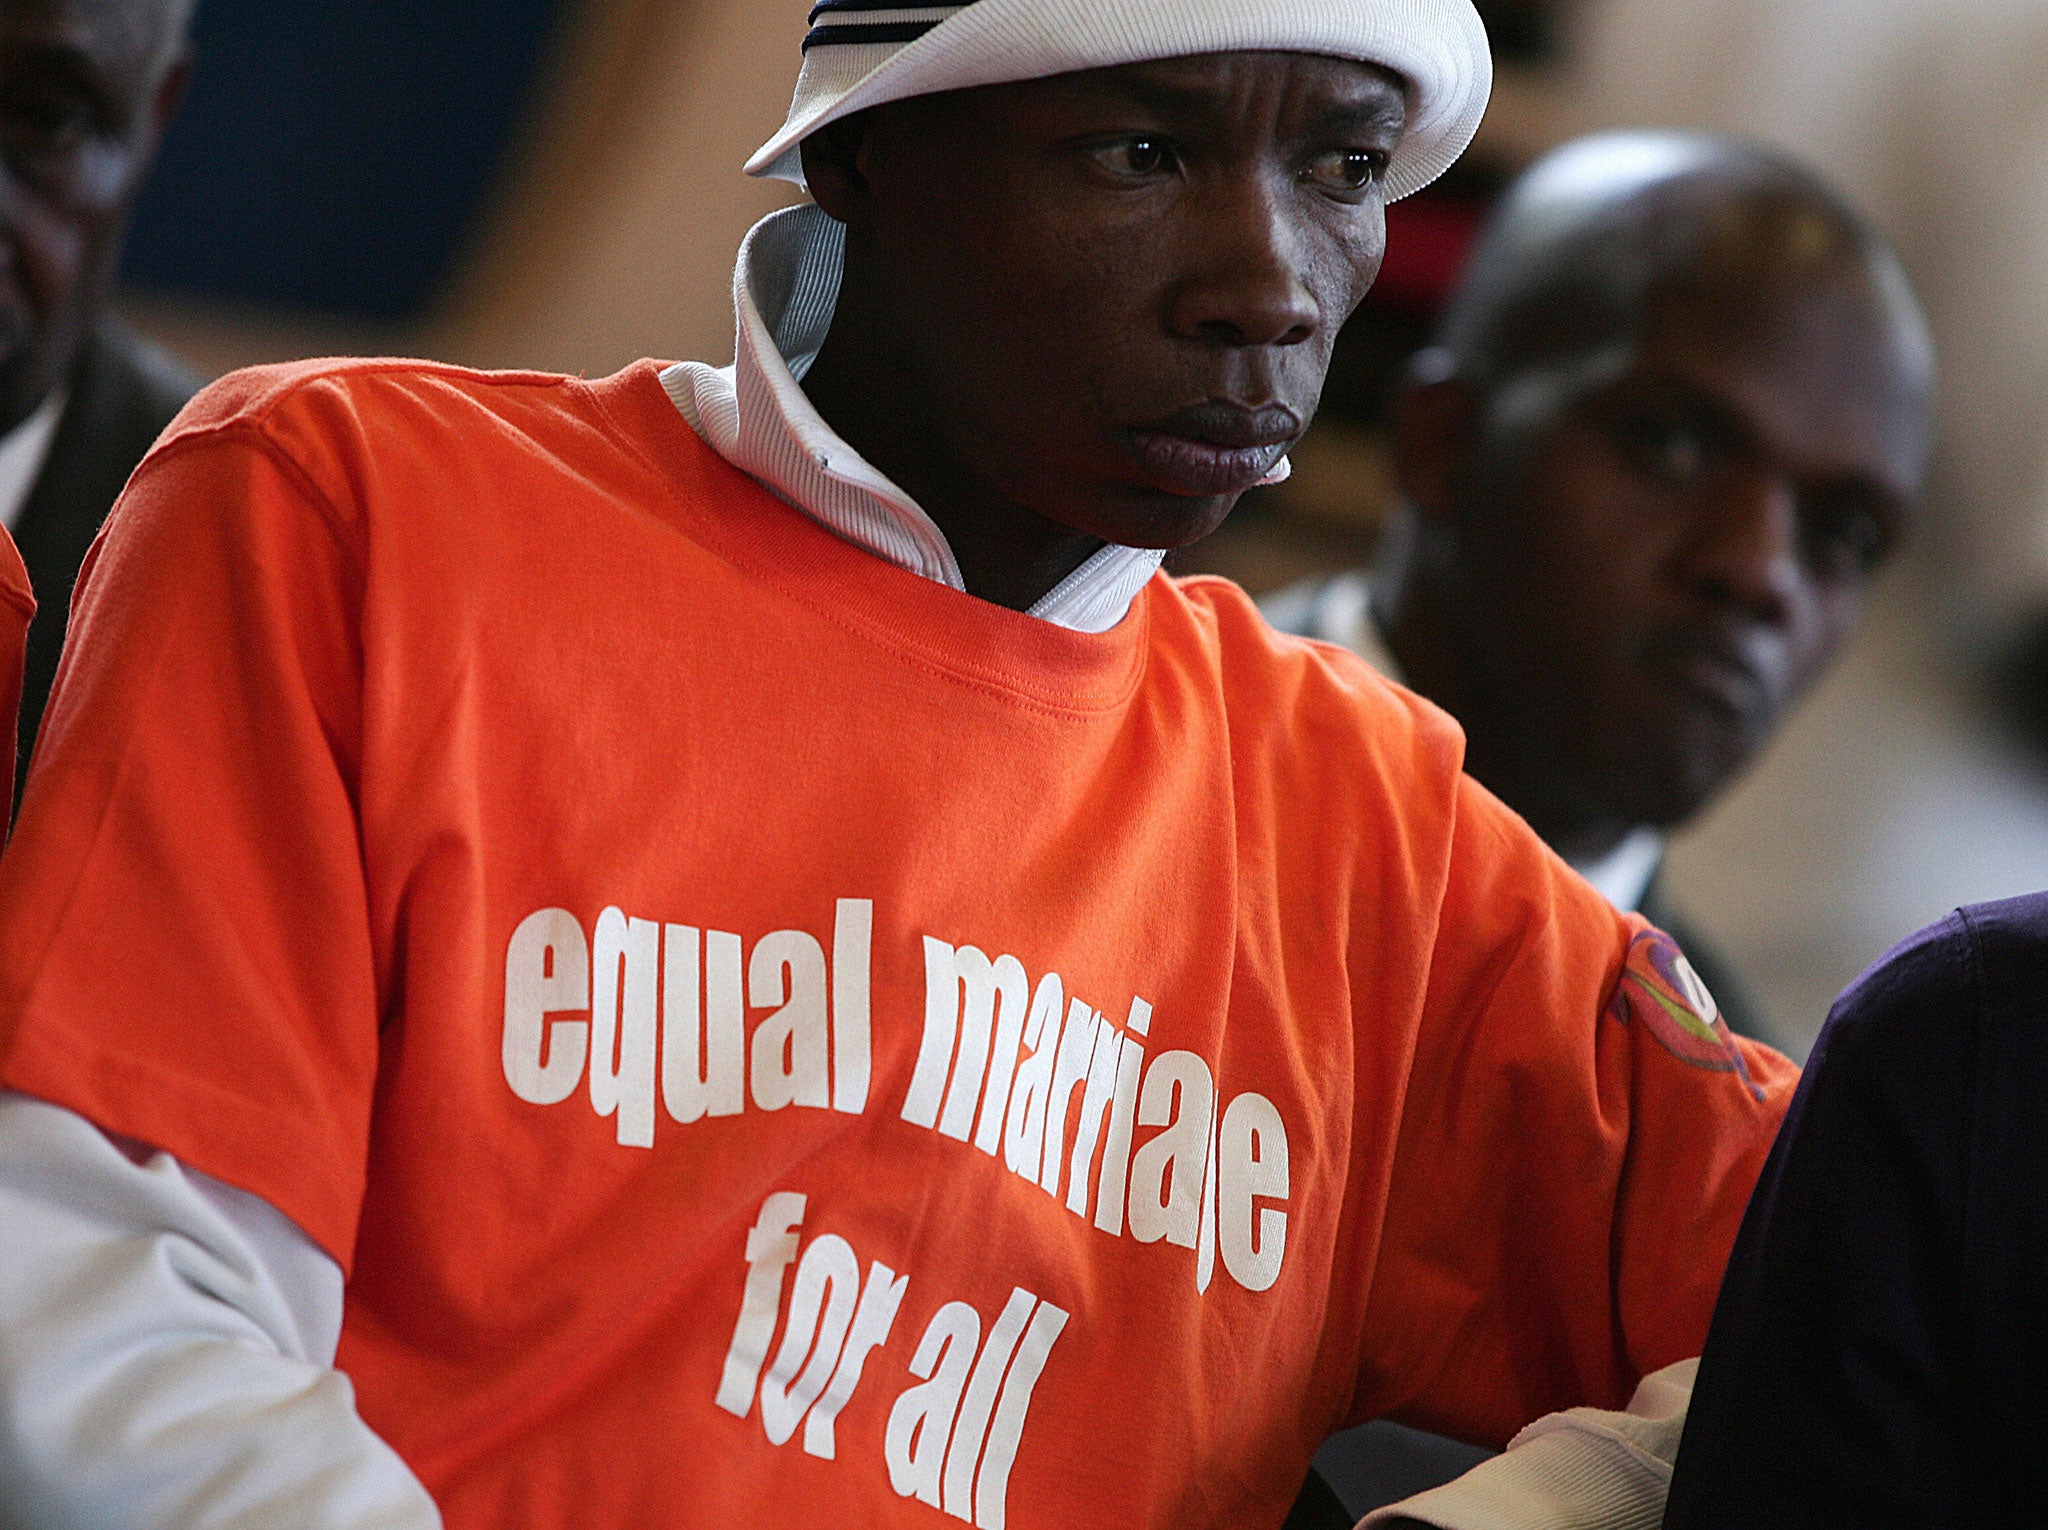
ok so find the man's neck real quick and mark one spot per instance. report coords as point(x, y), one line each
point(1421, 635)
point(862, 388)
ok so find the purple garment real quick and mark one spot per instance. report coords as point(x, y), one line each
point(1879, 1356)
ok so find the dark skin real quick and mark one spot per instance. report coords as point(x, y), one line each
point(86, 90)
point(1642, 553)
point(1098, 307)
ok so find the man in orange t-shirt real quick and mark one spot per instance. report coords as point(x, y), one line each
point(716, 947)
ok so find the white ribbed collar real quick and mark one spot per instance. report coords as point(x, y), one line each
point(755, 415)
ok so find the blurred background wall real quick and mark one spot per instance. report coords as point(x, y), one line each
point(545, 183)
point(555, 184)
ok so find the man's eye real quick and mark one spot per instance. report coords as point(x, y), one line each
point(1346, 169)
point(46, 122)
point(1842, 536)
point(1670, 452)
point(1136, 158)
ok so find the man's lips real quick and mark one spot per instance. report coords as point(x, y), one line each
point(1215, 448)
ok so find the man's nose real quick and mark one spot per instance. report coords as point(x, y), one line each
point(1746, 550)
point(1245, 285)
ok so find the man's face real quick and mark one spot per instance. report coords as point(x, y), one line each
point(83, 99)
point(1666, 547)
point(1118, 289)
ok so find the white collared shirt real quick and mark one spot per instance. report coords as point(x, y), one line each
point(23, 451)
point(755, 415)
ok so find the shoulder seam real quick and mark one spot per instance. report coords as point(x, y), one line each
point(256, 435)
point(253, 410)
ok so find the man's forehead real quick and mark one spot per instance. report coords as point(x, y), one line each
point(1840, 320)
point(1204, 82)
point(1818, 370)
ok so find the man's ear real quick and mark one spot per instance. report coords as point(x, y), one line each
point(1433, 423)
point(835, 167)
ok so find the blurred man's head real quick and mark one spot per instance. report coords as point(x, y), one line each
point(86, 89)
point(1678, 419)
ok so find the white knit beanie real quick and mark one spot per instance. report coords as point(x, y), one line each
point(860, 54)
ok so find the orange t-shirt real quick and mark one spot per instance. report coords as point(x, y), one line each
point(775, 1040)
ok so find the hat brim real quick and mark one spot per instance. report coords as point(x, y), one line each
point(1437, 47)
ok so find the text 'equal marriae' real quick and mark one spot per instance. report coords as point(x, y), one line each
point(677, 1020)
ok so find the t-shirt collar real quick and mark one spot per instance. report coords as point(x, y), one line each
point(755, 415)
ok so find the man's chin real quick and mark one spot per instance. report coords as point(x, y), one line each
point(1673, 782)
point(1143, 516)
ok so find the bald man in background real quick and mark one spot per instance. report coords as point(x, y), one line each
point(87, 88)
point(1867, 90)
point(1675, 423)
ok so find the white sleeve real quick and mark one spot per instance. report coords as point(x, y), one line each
point(166, 1352)
point(1582, 1470)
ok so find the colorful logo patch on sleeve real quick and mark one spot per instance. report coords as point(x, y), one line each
point(1659, 988)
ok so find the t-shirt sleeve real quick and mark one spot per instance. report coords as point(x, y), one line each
point(1589, 1469)
point(1579, 1137)
point(183, 916)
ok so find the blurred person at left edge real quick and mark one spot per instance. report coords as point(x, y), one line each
point(87, 88)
